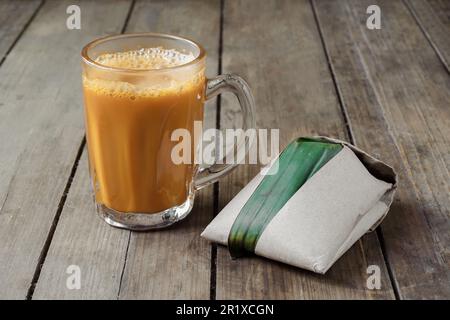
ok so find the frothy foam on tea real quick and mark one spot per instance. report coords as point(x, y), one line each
point(145, 59)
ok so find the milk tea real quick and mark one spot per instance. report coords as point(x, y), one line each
point(129, 129)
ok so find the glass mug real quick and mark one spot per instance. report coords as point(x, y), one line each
point(130, 115)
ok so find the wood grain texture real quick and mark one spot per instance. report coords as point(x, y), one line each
point(175, 263)
point(41, 126)
point(171, 263)
point(397, 95)
point(433, 17)
point(84, 240)
point(14, 16)
point(277, 48)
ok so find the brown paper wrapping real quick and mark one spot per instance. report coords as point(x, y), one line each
point(347, 197)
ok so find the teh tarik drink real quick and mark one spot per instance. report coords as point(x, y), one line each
point(138, 90)
point(129, 132)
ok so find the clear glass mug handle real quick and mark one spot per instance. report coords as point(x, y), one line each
point(235, 84)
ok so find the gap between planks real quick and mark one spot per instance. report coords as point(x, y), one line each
point(25, 27)
point(254, 277)
point(393, 138)
point(124, 28)
point(422, 28)
point(215, 190)
point(351, 136)
point(73, 171)
point(137, 276)
point(439, 55)
point(48, 241)
point(213, 278)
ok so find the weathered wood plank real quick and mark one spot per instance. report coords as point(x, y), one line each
point(433, 17)
point(14, 16)
point(277, 48)
point(168, 263)
point(175, 263)
point(83, 240)
point(397, 96)
point(41, 126)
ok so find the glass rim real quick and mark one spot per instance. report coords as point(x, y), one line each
point(88, 60)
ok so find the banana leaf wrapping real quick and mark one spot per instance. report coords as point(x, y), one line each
point(325, 195)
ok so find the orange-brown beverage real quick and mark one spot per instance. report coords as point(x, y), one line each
point(129, 133)
point(138, 89)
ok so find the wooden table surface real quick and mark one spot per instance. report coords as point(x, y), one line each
point(314, 68)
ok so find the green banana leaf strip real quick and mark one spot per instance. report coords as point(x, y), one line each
point(301, 159)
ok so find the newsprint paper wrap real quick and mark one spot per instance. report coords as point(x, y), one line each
point(349, 196)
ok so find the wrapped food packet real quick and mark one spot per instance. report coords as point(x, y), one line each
point(314, 202)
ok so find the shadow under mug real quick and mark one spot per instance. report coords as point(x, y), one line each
point(130, 118)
